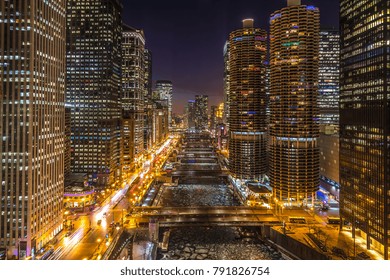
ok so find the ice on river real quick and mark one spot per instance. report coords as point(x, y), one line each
point(198, 195)
point(216, 243)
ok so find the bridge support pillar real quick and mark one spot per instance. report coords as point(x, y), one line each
point(153, 230)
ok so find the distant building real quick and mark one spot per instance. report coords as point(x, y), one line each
point(247, 102)
point(201, 112)
point(165, 92)
point(190, 111)
point(294, 129)
point(160, 121)
point(213, 118)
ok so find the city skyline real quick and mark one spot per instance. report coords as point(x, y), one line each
point(187, 38)
point(96, 164)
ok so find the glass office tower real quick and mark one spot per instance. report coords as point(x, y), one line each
point(365, 120)
point(93, 88)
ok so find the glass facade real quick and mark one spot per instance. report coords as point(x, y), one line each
point(201, 112)
point(165, 91)
point(365, 119)
point(94, 32)
point(32, 76)
point(133, 95)
point(247, 102)
point(294, 129)
point(226, 81)
point(329, 76)
point(148, 109)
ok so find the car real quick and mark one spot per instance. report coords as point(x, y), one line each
point(68, 234)
point(99, 222)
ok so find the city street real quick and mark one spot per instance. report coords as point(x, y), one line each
point(93, 232)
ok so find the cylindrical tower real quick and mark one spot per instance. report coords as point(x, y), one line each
point(294, 159)
point(247, 99)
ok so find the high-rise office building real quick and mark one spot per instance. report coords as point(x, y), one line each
point(67, 141)
point(226, 81)
point(93, 87)
point(190, 112)
point(160, 121)
point(148, 73)
point(328, 84)
point(213, 119)
point(165, 92)
point(133, 95)
point(247, 102)
point(201, 112)
point(32, 75)
point(294, 129)
point(148, 108)
point(365, 121)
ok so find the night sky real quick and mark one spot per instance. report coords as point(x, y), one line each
point(186, 38)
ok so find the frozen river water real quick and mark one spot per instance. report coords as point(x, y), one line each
point(216, 243)
point(198, 195)
point(211, 243)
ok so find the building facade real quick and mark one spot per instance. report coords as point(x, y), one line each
point(133, 95)
point(148, 108)
point(190, 114)
point(67, 141)
point(165, 92)
point(294, 129)
point(329, 157)
point(329, 76)
point(226, 81)
point(365, 121)
point(94, 87)
point(32, 75)
point(201, 112)
point(247, 102)
point(160, 121)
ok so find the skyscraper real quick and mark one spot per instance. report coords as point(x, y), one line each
point(294, 130)
point(328, 85)
point(365, 121)
point(94, 32)
point(148, 108)
point(32, 74)
point(165, 91)
point(226, 81)
point(134, 94)
point(247, 102)
point(190, 111)
point(213, 119)
point(201, 112)
point(148, 73)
